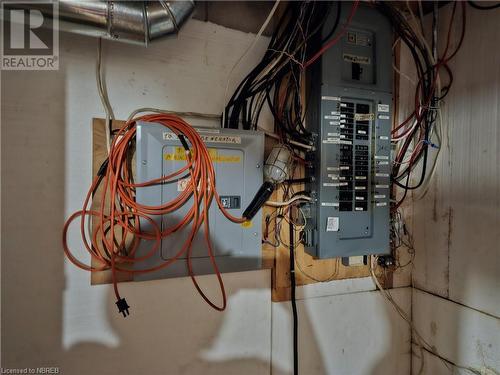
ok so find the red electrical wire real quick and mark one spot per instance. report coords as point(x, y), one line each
point(335, 40)
point(119, 213)
point(442, 62)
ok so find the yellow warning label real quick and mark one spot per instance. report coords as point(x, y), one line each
point(180, 154)
point(247, 224)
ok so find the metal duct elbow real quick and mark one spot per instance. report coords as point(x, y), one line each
point(165, 18)
point(137, 22)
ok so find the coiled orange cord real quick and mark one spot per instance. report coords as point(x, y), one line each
point(120, 213)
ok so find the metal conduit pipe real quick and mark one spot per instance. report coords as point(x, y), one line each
point(137, 22)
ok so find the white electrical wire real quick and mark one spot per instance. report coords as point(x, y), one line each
point(419, 34)
point(303, 217)
point(103, 94)
point(207, 116)
point(396, 69)
point(420, 341)
point(277, 137)
point(408, 159)
point(288, 202)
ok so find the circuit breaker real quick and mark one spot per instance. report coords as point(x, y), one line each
point(237, 157)
point(350, 93)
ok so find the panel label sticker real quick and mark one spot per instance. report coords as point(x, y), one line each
point(207, 138)
point(383, 107)
point(180, 154)
point(334, 98)
point(333, 184)
point(364, 116)
point(356, 59)
point(233, 139)
point(329, 204)
point(332, 224)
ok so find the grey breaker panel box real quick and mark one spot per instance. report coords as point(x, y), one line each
point(237, 157)
point(351, 99)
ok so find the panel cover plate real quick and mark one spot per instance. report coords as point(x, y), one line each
point(237, 159)
point(351, 110)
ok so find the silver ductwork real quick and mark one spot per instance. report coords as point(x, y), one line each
point(128, 21)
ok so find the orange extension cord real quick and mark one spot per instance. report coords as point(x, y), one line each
point(119, 209)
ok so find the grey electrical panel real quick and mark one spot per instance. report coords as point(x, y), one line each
point(350, 113)
point(237, 156)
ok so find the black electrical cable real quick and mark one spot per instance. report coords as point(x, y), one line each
point(277, 78)
point(483, 7)
point(304, 180)
point(293, 299)
point(335, 24)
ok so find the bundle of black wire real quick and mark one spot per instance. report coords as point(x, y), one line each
point(277, 79)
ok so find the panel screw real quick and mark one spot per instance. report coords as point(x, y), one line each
point(144, 162)
point(257, 166)
point(255, 234)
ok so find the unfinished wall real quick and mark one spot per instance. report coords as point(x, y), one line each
point(51, 316)
point(456, 303)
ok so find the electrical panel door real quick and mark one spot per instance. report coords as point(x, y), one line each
point(237, 157)
point(350, 116)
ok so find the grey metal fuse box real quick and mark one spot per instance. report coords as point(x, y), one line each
point(237, 156)
point(350, 115)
